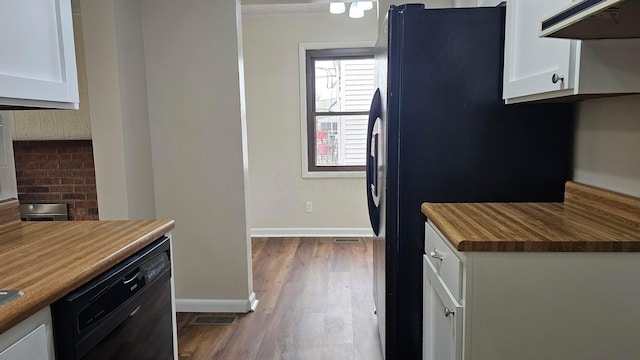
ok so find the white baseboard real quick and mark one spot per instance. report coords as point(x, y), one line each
point(207, 305)
point(253, 302)
point(311, 232)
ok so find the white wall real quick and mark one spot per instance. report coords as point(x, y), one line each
point(277, 190)
point(119, 120)
point(608, 144)
point(195, 109)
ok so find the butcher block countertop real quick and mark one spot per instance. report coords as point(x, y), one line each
point(589, 220)
point(46, 260)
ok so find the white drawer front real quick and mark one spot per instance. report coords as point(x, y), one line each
point(446, 263)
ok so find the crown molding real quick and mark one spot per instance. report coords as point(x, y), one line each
point(284, 9)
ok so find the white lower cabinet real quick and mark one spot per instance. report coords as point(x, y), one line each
point(529, 306)
point(31, 339)
point(442, 319)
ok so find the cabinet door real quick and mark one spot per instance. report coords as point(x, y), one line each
point(33, 346)
point(37, 63)
point(8, 186)
point(530, 61)
point(442, 319)
point(31, 339)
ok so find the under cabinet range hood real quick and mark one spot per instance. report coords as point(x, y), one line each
point(594, 19)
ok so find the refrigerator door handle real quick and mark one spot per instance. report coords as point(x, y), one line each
point(374, 166)
point(375, 113)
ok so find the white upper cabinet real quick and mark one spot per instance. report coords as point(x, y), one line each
point(542, 68)
point(530, 62)
point(37, 61)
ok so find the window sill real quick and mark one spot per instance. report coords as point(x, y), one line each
point(332, 174)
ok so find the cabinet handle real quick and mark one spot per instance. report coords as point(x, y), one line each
point(448, 312)
point(555, 78)
point(435, 254)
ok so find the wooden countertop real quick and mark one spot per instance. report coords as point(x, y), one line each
point(46, 260)
point(589, 220)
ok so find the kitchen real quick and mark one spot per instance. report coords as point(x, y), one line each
point(606, 139)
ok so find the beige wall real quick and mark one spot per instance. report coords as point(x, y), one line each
point(134, 109)
point(383, 5)
point(608, 144)
point(277, 190)
point(119, 120)
point(192, 63)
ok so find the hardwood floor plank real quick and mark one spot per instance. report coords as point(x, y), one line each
point(249, 332)
point(200, 342)
point(300, 261)
point(334, 352)
point(362, 255)
point(365, 329)
point(341, 255)
point(309, 335)
point(272, 269)
point(323, 248)
point(278, 341)
point(314, 294)
point(316, 303)
point(338, 316)
point(257, 244)
point(182, 319)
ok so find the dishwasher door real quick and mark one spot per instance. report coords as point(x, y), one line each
point(145, 334)
point(124, 313)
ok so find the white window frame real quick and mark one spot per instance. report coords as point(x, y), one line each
point(302, 66)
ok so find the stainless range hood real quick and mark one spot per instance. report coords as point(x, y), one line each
point(594, 19)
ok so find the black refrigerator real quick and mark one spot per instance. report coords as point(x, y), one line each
point(439, 131)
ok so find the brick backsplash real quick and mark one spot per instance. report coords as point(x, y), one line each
point(58, 171)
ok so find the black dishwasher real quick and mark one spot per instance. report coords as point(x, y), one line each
point(124, 313)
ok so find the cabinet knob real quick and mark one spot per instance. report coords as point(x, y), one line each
point(555, 78)
point(435, 254)
point(449, 312)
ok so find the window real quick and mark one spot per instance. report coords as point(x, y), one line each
point(339, 88)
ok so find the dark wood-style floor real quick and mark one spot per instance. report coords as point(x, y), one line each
point(315, 303)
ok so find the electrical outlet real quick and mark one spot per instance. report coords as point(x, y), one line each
point(308, 207)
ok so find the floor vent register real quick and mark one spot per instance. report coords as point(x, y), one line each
point(214, 320)
point(346, 240)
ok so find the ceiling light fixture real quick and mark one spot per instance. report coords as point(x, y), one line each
point(355, 11)
point(337, 8)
